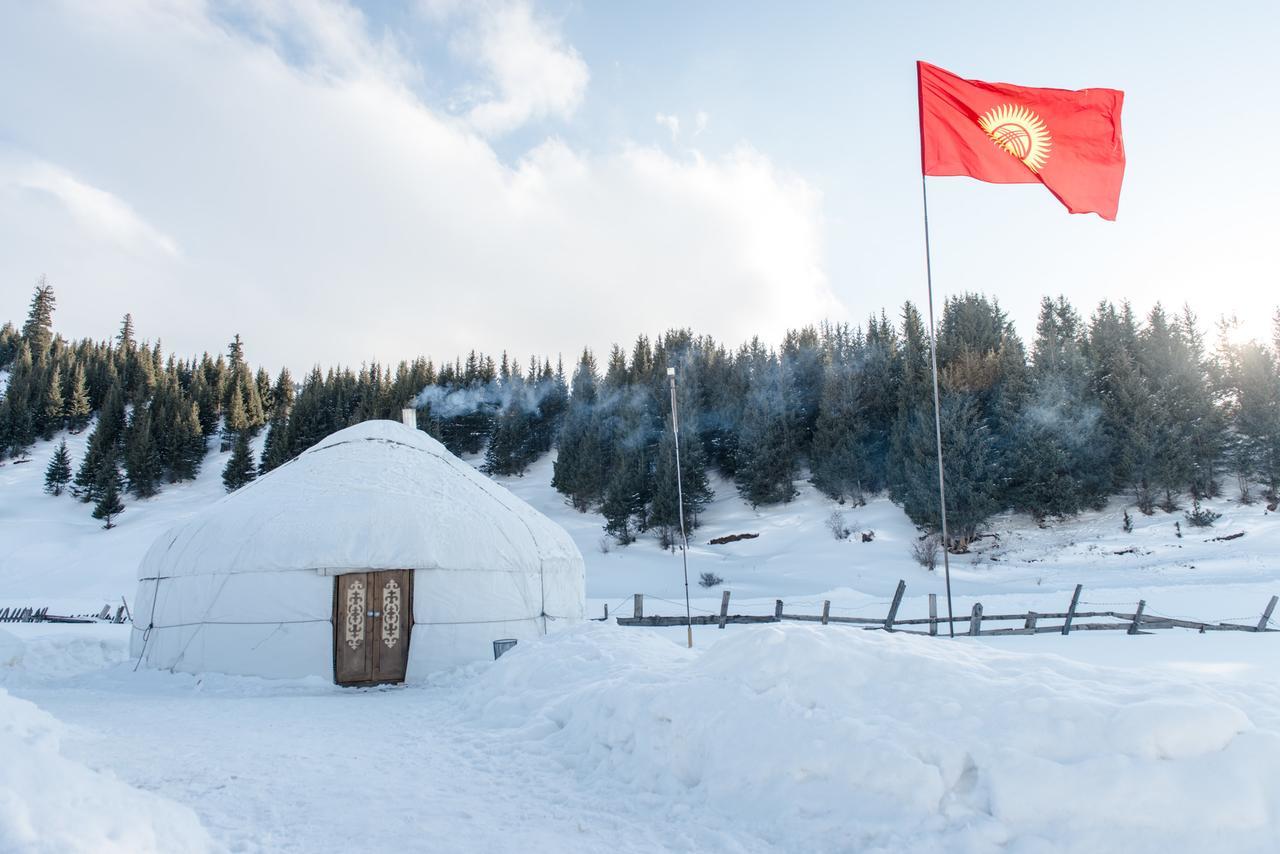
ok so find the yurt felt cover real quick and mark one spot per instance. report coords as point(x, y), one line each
point(246, 586)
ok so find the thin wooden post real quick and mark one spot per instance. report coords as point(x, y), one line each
point(975, 619)
point(638, 607)
point(933, 614)
point(1266, 615)
point(777, 610)
point(724, 607)
point(893, 608)
point(1071, 612)
point(606, 612)
point(1032, 616)
point(826, 611)
point(1137, 617)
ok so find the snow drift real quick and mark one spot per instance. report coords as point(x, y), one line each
point(50, 804)
point(831, 738)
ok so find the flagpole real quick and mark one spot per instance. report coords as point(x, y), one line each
point(684, 538)
point(937, 407)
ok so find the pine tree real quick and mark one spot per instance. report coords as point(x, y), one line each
point(275, 451)
point(235, 421)
point(58, 474)
point(1057, 464)
point(239, 469)
point(75, 409)
point(49, 420)
point(972, 484)
point(103, 449)
point(841, 432)
point(125, 337)
point(109, 505)
point(664, 504)
point(580, 465)
point(282, 394)
point(190, 444)
point(142, 456)
point(766, 454)
point(37, 332)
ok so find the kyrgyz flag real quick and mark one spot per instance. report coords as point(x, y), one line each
point(1068, 141)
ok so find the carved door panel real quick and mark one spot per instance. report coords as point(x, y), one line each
point(352, 630)
point(373, 616)
point(393, 604)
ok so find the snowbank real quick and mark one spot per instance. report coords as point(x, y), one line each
point(830, 738)
point(50, 804)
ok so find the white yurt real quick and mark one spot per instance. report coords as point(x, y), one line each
point(375, 556)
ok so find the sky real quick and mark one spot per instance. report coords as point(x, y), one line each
point(343, 182)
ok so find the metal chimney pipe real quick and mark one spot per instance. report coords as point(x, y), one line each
point(409, 417)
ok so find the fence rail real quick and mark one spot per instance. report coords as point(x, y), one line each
point(1134, 623)
point(42, 615)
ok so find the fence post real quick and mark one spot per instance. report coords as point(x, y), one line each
point(777, 610)
point(893, 609)
point(1266, 615)
point(724, 607)
point(638, 607)
point(606, 612)
point(975, 619)
point(1137, 617)
point(1032, 616)
point(933, 614)
point(826, 610)
point(1071, 612)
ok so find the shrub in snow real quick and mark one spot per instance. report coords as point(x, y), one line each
point(925, 551)
point(710, 579)
point(1201, 517)
point(837, 526)
point(1127, 524)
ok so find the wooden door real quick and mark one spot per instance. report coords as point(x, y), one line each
point(373, 617)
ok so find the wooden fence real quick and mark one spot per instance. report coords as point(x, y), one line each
point(1032, 622)
point(42, 615)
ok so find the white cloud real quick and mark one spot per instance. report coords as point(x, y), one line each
point(531, 73)
point(335, 216)
point(98, 212)
point(671, 123)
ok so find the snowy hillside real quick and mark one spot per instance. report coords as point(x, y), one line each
point(762, 738)
point(52, 552)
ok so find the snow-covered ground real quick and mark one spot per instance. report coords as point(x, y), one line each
point(762, 738)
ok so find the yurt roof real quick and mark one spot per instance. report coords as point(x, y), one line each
point(379, 495)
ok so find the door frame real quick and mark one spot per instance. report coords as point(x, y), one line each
point(374, 647)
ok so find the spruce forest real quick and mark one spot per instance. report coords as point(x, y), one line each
point(1109, 405)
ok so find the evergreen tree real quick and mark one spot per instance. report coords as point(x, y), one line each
point(664, 505)
point(623, 501)
point(579, 470)
point(75, 409)
point(1057, 464)
point(142, 462)
point(766, 455)
point(239, 469)
point(58, 474)
point(49, 418)
point(189, 443)
point(972, 484)
point(37, 332)
point(103, 449)
point(109, 505)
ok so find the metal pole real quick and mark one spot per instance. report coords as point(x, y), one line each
point(937, 409)
point(684, 538)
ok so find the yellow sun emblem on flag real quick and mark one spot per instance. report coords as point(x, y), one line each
point(1020, 132)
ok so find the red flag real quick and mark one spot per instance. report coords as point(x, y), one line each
point(1003, 134)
